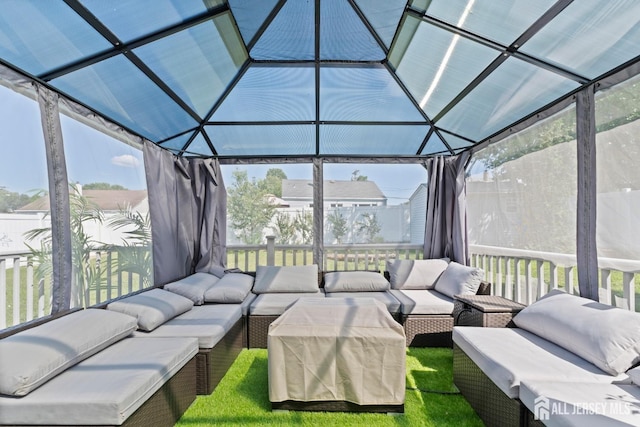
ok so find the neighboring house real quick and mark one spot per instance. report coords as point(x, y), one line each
point(299, 193)
point(110, 203)
point(418, 209)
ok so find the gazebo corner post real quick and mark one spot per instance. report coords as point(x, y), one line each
point(318, 213)
point(586, 248)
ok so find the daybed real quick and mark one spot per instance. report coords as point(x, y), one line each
point(182, 309)
point(85, 369)
point(565, 352)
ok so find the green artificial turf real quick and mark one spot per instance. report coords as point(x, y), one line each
point(242, 398)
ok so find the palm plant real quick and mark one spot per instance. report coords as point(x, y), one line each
point(135, 254)
point(86, 274)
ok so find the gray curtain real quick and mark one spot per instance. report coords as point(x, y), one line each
point(187, 205)
point(586, 250)
point(58, 200)
point(446, 223)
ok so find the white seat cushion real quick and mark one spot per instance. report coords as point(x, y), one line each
point(275, 304)
point(393, 305)
point(582, 404)
point(286, 279)
point(207, 323)
point(511, 355)
point(423, 301)
point(193, 286)
point(152, 308)
point(104, 389)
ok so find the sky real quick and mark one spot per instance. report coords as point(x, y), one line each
point(95, 157)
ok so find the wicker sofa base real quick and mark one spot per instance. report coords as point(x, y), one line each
point(258, 330)
point(426, 330)
point(493, 406)
point(334, 406)
point(166, 405)
point(213, 363)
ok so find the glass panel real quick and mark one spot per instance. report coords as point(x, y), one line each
point(120, 91)
point(271, 93)
point(24, 202)
point(362, 93)
point(250, 15)
point(39, 36)
point(447, 63)
point(590, 37)
point(371, 140)
point(372, 203)
point(291, 35)
point(456, 142)
point(263, 201)
point(247, 140)
point(512, 91)
point(435, 145)
point(198, 147)
point(384, 16)
point(618, 183)
point(521, 194)
point(131, 19)
point(500, 20)
point(338, 23)
point(214, 53)
point(177, 143)
point(110, 224)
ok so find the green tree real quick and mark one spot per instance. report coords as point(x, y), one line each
point(304, 225)
point(368, 226)
point(10, 201)
point(272, 183)
point(338, 225)
point(249, 208)
point(102, 186)
point(355, 176)
point(285, 228)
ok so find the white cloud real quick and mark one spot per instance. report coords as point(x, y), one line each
point(126, 160)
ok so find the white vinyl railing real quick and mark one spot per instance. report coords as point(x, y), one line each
point(516, 274)
point(525, 276)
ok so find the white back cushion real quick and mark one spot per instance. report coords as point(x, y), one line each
point(34, 356)
point(152, 308)
point(415, 274)
point(232, 288)
point(606, 336)
point(355, 281)
point(300, 278)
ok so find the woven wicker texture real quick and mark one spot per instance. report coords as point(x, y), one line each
point(485, 311)
point(493, 406)
point(213, 363)
point(428, 330)
point(258, 330)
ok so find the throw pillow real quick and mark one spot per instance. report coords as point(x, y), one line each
point(193, 286)
point(458, 279)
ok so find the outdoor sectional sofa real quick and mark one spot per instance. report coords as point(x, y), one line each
point(417, 293)
point(84, 368)
point(568, 362)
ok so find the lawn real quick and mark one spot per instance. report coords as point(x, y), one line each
point(242, 398)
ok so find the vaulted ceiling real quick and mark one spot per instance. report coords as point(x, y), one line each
point(275, 78)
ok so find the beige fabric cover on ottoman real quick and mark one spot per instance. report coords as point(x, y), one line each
point(338, 349)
